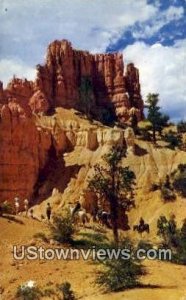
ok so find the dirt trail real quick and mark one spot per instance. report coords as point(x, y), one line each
point(163, 280)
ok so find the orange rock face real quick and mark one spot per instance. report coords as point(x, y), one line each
point(58, 83)
point(21, 89)
point(25, 148)
point(60, 79)
point(38, 103)
point(22, 154)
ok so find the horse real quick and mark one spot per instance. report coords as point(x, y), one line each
point(141, 228)
point(80, 214)
point(104, 217)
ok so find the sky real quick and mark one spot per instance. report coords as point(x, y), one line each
point(150, 33)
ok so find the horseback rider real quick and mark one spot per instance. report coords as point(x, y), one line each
point(48, 211)
point(76, 208)
point(141, 223)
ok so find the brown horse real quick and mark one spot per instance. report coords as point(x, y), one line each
point(141, 228)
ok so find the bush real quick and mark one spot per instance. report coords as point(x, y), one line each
point(41, 236)
point(65, 288)
point(144, 245)
point(166, 229)
point(26, 292)
point(5, 208)
point(181, 127)
point(154, 187)
point(173, 238)
point(173, 140)
point(119, 274)
point(179, 179)
point(167, 194)
point(89, 240)
point(48, 292)
point(86, 95)
point(145, 135)
point(62, 228)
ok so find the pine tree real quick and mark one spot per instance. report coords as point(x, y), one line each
point(113, 183)
point(157, 119)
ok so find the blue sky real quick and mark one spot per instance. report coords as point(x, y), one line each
point(149, 33)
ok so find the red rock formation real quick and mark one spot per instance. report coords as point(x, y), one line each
point(38, 103)
point(24, 146)
point(60, 80)
point(23, 151)
point(133, 88)
point(21, 89)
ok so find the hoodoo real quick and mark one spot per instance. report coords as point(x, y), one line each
point(25, 146)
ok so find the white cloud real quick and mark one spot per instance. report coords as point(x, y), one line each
point(27, 27)
point(36, 23)
point(148, 29)
point(9, 67)
point(162, 70)
point(174, 13)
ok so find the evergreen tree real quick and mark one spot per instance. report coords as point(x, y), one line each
point(113, 183)
point(86, 94)
point(157, 119)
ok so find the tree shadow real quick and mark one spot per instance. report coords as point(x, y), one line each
point(156, 286)
point(140, 151)
point(11, 218)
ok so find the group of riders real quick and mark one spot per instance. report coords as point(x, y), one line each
point(98, 214)
point(104, 218)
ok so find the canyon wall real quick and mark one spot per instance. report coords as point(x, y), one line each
point(23, 151)
point(65, 68)
point(59, 83)
point(26, 147)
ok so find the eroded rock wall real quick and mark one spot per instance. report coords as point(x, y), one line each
point(61, 76)
point(23, 151)
point(25, 144)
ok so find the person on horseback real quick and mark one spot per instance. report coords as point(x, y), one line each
point(141, 224)
point(48, 211)
point(76, 208)
point(172, 224)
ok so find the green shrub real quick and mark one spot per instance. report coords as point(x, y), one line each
point(166, 229)
point(41, 236)
point(26, 292)
point(145, 134)
point(173, 238)
point(87, 240)
point(179, 179)
point(86, 95)
point(144, 245)
point(167, 194)
point(65, 289)
point(5, 208)
point(62, 228)
point(48, 292)
point(119, 274)
point(181, 127)
point(154, 187)
point(174, 140)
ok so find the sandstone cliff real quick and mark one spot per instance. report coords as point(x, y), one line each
point(32, 149)
point(88, 142)
point(58, 83)
point(23, 151)
point(61, 76)
point(29, 140)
